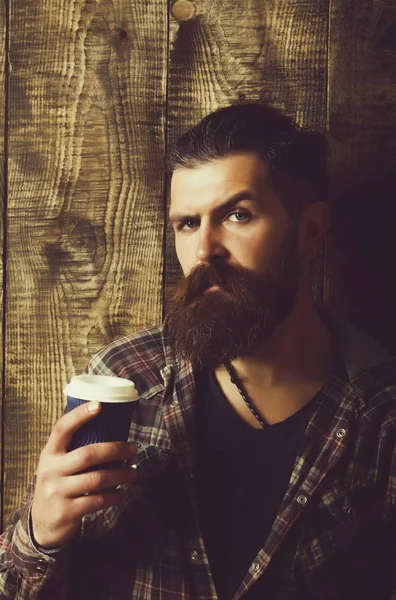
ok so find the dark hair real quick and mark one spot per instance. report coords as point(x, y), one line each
point(296, 158)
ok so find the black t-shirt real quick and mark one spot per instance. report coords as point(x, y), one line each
point(242, 477)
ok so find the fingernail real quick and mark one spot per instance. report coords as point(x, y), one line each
point(93, 406)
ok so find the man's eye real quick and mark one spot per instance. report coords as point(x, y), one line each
point(187, 224)
point(240, 216)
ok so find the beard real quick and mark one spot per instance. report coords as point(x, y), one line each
point(209, 328)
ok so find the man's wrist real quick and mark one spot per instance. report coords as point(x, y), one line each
point(36, 546)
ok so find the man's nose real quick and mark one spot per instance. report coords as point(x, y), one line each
point(210, 245)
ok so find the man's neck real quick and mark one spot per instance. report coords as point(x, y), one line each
point(286, 371)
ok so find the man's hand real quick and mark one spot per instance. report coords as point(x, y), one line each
point(63, 494)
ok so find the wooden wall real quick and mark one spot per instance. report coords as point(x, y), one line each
point(91, 93)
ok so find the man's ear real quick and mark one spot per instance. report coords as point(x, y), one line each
point(314, 223)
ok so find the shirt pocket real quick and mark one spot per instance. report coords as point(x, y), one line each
point(344, 512)
point(343, 543)
point(152, 461)
point(355, 507)
point(334, 506)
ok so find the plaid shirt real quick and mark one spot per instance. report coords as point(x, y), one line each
point(334, 535)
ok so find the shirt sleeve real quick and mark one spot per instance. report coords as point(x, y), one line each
point(26, 571)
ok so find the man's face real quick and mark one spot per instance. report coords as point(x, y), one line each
point(237, 247)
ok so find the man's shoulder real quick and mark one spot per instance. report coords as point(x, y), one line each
point(367, 362)
point(375, 392)
point(139, 356)
point(377, 384)
point(370, 369)
point(145, 341)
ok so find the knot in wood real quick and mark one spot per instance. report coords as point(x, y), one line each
point(183, 10)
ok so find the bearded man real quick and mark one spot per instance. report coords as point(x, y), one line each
point(265, 433)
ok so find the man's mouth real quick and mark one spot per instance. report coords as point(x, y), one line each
point(213, 288)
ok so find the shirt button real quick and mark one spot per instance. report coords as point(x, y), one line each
point(341, 433)
point(256, 566)
point(192, 475)
point(41, 565)
point(194, 555)
point(302, 499)
point(174, 403)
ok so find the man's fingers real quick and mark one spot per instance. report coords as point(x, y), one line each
point(84, 505)
point(95, 454)
point(98, 481)
point(65, 427)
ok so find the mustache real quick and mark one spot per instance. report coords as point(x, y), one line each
point(230, 278)
point(202, 276)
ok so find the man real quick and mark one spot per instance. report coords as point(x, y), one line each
point(265, 434)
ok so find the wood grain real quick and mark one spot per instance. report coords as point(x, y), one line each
point(361, 269)
point(3, 26)
point(251, 50)
point(94, 85)
point(86, 194)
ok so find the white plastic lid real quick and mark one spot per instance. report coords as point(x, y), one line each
point(102, 388)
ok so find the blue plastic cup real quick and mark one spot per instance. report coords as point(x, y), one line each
point(118, 398)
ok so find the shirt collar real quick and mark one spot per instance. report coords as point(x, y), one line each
point(358, 350)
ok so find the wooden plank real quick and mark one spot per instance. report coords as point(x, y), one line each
point(3, 56)
point(86, 195)
point(362, 126)
point(229, 52)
